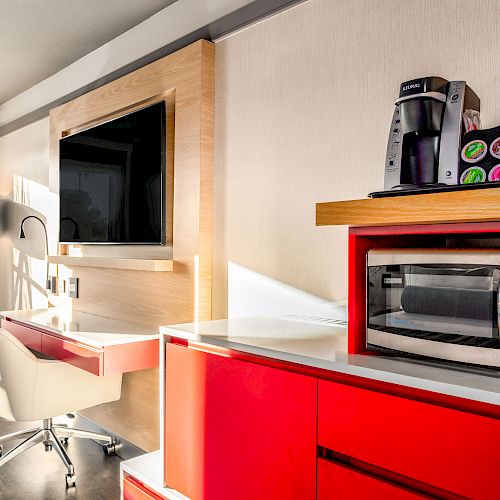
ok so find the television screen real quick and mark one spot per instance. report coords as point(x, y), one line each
point(112, 180)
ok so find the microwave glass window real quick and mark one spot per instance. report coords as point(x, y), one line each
point(446, 303)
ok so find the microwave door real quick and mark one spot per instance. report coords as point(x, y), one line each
point(435, 324)
point(450, 310)
point(434, 304)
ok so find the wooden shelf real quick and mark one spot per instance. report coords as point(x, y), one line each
point(479, 205)
point(131, 264)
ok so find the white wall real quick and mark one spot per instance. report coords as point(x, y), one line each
point(304, 103)
point(24, 181)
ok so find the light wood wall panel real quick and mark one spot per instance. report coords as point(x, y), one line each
point(136, 415)
point(186, 80)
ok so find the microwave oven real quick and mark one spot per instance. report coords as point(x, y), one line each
point(435, 303)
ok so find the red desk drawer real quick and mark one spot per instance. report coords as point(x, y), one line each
point(336, 482)
point(135, 490)
point(109, 360)
point(449, 449)
point(27, 336)
point(79, 355)
point(129, 357)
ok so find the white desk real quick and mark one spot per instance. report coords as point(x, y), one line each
point(102, 346)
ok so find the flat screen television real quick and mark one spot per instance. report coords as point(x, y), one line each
point(112, 181)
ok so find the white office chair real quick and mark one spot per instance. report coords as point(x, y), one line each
point(40, 389)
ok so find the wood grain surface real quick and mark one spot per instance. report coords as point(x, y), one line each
point(185, 80)
point(110, 263)
point(479, 205)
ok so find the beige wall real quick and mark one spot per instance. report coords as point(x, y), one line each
point(304, 102)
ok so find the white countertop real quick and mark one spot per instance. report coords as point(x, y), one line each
point(320, 345)
point(90, 329)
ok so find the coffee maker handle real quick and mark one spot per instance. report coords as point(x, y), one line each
point(431, 95)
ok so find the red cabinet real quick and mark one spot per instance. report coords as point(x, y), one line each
point(238, 430)
point(447, 449)
point(337, 482)
point(241, 429)
point(135, 490)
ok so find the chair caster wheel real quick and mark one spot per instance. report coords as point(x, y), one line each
point(109, 449)
point(64, 440)
point(48, 447)
point(70, 480)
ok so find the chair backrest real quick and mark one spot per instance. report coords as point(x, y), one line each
point(18, 369)
point(44, 388)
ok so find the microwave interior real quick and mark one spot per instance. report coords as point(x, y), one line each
point(450, 303)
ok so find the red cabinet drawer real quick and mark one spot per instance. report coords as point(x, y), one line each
point(79, 355)
point(449, 449)
point(336, 482)
point(135, 490)
point(27, 336)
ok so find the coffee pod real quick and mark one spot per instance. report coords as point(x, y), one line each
point(473, 175)
point(495, 148)
point(474, 151)
point(494, 175)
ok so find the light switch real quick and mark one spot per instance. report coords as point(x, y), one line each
point(61, 286)
point(73, 288)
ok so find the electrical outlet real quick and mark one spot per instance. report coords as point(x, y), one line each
point(52, 284)
point(73, 288)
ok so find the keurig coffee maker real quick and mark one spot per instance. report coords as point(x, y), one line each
point(426, 132)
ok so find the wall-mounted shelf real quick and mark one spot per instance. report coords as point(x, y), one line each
point(110, 263)
point(479, 205)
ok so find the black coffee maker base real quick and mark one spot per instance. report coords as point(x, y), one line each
point(433, 189)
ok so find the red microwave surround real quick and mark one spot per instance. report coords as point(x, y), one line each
point(438, 303)
point(363, 239)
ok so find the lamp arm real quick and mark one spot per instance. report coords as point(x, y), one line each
point(46, 240)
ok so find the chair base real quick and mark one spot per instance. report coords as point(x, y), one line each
point(52, 435)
